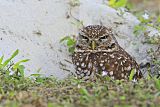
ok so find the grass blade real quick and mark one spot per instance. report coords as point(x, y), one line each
point(9, 59)
point(132, 74)
point(1, 59)
point(65, 38)
point(15, 66)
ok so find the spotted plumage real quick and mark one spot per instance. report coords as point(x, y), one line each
point(97, 51)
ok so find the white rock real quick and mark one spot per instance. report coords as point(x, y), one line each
point(35, 28)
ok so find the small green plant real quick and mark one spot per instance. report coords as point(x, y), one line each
point(74, 3)
point(153, 40)
point(7, 66)
point(147, 21)
point(78, 23)
point(157, 83)
point(37, 77)
point(118, 3)
point(132, 74)
point(144, 19)
point(139, 29)
point(70, 42)
point(84, 94)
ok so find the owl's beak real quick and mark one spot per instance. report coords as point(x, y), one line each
point(93, 45)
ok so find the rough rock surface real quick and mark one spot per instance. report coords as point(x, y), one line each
point(36, 26)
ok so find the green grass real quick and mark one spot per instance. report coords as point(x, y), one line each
point(50, 92)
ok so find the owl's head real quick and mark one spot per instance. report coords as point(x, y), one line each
point(96, 38)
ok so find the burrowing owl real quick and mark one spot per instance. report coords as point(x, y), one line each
point(98, 51)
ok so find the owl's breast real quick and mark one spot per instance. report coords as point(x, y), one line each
point(117, 64)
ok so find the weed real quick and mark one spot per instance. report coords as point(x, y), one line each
point(74, 3)
point(118, 3)
point(139, 29)
point(78, 23)
point(132, 74)
point(7, 67)
point(70, 42)
point(157, 83)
